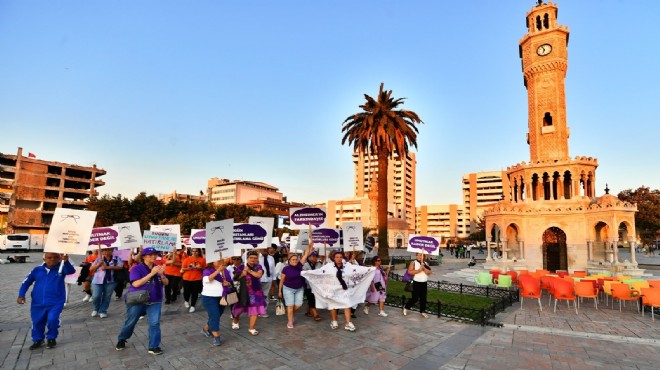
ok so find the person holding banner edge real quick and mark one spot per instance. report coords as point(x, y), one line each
point(292, 284)
point(420, 270)
point(143, 276)
point(337, 261)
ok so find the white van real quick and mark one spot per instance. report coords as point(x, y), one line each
point(15, 242)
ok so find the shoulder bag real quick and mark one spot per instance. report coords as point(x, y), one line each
point(280, 309)
point(139, 296)
point(229, 299)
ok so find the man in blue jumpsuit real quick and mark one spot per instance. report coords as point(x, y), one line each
point(48, 296)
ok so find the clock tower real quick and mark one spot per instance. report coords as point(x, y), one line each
point(544, 55)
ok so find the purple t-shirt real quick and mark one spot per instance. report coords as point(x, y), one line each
point(293, 278)
point(156, 286)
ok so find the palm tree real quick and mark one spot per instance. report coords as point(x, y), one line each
point(382, 129)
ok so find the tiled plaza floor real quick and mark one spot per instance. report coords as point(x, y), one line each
point(528, 339)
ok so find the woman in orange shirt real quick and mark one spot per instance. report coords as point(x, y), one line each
point(173, 272)
point(192, 278)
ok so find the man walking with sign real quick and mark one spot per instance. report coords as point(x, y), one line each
point(48, 296)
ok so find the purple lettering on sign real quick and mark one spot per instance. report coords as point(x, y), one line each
point(308, 216)
point(327, 236)
point(424, 243)
point(103, 236)
point(199, 237)
point(249, 234)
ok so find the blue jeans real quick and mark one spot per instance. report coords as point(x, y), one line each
point(101, 295)
point(133, 313)
point(214, 310)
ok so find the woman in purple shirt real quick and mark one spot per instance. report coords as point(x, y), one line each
point(292, 284)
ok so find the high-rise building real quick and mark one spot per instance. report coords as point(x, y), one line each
point(480, 191)
point(32, 188)
point(401, 180)
point(446, 222)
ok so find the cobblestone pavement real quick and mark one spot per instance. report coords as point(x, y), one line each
point(528, 339)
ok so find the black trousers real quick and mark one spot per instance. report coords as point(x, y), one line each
point(172, 288)
point(418, 294)
point(191, 291)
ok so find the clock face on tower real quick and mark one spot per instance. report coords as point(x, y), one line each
point(544, 49)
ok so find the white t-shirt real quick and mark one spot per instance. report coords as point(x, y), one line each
point(420, 277)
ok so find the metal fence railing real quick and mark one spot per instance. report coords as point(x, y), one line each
point(502, 298)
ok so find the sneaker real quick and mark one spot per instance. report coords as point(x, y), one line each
point(117, 298)
point(141, 317)
point(191, 309)
point(366, 310)
point(217, 341)
point(103, 315)
point(186, 304)
point(264, 315)
point(289, 325)
point(207, 333)
point(95, 313)
point(382, 313)
point(334, 325)
point(234, 326)
point(36, 344)
point(424, 315)
point(87, 298)
point(155, 351)
point(405, 312)
point(350, 327)
point(121, 344)
point(51, 343)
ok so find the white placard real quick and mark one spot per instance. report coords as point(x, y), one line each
point(293, 247)
point(198, 238)
point(220, 239)
point(302, 241)
point(285, 238)
point(275, 240)
point(176, 229)
point(70, 231)
point(250, 236)
point(267, 223)
point(301, 218)
point(130, 235)
point(160, 240)
point(423, 244)
point(353, 236)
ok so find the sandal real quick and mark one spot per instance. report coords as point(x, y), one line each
point(317, 318)
point(253, 331)
point(234, 326)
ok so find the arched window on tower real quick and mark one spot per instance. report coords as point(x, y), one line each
point(547, 119)
point(546, 21)
point(538, 22)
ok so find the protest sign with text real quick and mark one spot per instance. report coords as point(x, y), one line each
point(104, 237)
point(267, 223)
point(175, 229)
point(130, 235)
point(70, 231)
point(220, 239)
point(423, 244)
point(249, 236)
point(353, 236)
point(160, 240)
point(198, 238)
point(302, 218)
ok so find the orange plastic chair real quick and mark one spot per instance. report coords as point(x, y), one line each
point(529, 288)
point(607, 290)
point(561, 273)
point(496, 274)
point(650, 297)
point(654, 283)
point(514, 276)
point(586, 289)
point(622, 292)
point(523, 272)
point(580, 274)
point(546, 286)
point(564, 291)
point(639, 285)
point(621, 278)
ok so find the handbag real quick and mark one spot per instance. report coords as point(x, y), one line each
point(229, 299)
point(408, 287)
point(279, 308)
point(139, 296)
point(243, 294)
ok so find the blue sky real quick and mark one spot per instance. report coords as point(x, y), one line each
point(167, 94)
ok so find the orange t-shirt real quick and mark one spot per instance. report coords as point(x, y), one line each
point(90, 259)
point(193, 274)
point(174, 270)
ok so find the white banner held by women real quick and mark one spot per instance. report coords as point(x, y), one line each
point(328, 290)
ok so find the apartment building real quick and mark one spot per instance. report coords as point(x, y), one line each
point(31, 189)
point(224, 191)
point(447, 221)
point(480, 190)
point(401, 178)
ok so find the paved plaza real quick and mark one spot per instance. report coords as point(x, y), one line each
point(594, 339)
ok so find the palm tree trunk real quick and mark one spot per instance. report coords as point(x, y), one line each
point(383, 245)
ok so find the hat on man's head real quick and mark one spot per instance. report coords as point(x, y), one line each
point(315, 254)
point(147, 251)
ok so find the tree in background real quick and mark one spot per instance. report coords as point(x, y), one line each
point(647, 218)
point(384, 130)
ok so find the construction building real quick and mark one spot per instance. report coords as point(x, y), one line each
point(31, 189)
